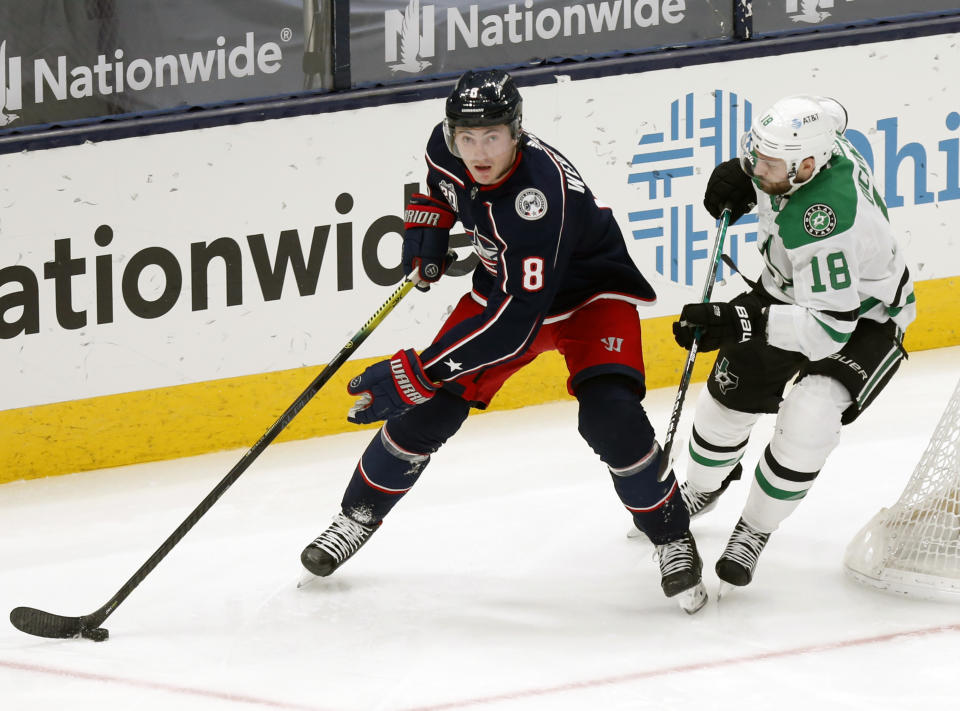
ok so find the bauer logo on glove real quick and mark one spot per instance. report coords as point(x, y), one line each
point(719, 324)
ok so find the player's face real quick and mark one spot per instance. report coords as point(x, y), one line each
point(770, 174)
point(488, 151)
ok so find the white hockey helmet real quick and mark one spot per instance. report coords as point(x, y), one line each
point(793, 129)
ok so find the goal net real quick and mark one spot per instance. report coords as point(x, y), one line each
point(913, 547)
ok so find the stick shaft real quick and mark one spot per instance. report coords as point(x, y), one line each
point(692, 354)
point(50, 625)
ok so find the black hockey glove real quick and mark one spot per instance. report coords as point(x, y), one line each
point(390, 387)
point(729, 186)
point(426, 238)
point(720, 324)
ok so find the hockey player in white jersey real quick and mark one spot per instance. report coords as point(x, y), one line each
point(829, 309)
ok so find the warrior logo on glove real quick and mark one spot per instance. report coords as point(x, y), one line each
point(427, 222)
point(390, 387)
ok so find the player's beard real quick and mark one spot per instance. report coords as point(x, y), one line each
point(780, 188)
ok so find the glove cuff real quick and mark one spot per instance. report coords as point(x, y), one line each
point(412, 384)
point(426, 211)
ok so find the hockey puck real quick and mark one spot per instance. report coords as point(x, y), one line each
point(97, 634)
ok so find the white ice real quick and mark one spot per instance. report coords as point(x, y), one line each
point(503, 581)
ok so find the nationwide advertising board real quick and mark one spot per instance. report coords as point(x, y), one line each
point(397, 41)
point(64, 61)
point(243, 250)
point(778, 16)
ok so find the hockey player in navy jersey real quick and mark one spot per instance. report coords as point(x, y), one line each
point(829, 309)
point(554, 274)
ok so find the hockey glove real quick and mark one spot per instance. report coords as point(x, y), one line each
point(720, 324)
point(426, 238)
point(729, 186)
point(390, 387)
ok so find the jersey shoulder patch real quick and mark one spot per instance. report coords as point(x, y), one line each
point(531, 204)
point(825, 207)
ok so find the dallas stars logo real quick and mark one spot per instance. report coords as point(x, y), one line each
point(725, 379)
point(819, 220)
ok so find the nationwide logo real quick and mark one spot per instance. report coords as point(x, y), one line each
point(413, 43)
point(810, 11)
point(410, 35)
point(701, 131)
point(55, 79)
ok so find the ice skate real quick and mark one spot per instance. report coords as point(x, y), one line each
point(699, 501)
point(739, 559)
point(335, 546)
point(680, 569)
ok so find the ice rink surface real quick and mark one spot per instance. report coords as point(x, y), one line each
point(503, 581)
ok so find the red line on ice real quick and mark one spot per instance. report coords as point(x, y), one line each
point(694, 667)
point(156, 686)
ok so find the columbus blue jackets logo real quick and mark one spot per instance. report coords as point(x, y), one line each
point(531, 204)
point(819, 220)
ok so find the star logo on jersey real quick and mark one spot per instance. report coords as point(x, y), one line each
point(724, 378)
point(531, 204)
point(453, 365)
point(819, 220)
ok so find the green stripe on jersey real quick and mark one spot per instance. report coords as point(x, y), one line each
point(894, 310)
point(870, 302)
point(833, 333)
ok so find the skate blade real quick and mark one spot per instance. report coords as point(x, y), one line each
point(692, 601)
point(306, 577)
point(635, 532)
point(724, 588)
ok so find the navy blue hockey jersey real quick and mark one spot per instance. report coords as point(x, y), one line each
point(547, 247)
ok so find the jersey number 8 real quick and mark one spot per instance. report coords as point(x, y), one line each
point(533, 273)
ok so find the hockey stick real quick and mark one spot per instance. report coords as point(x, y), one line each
point(664, 468)
point(48, 624)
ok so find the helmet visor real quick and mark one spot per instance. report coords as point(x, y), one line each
point(750, 160)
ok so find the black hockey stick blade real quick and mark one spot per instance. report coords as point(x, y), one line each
point(47, 624)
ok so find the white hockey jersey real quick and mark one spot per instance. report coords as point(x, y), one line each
point(831, 255)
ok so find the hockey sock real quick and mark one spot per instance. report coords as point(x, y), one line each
point(717, 443)
point(383, 475)
point(394, 459)
point(613, 422)
point(657, 508)
point(807, 430)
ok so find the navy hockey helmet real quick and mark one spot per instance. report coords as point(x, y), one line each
point(483, 98)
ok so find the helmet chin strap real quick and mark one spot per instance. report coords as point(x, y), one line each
point(792, 177)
